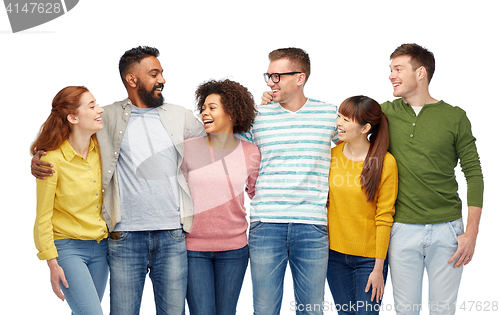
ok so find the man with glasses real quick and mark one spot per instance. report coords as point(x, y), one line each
point(288, 216)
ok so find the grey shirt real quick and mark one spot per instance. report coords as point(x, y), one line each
point(147, 175)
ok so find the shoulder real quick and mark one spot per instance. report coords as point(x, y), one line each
point(311, 102)
point(390, 164)
point(194, 142)
point(53, 157)
point(175, 108)
point(249, 147)
point(338, 148)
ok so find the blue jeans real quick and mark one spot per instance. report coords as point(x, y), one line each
point(272, 246)
point(86, 269)
point(215, 280)
point(415, 247)
point(133, 255)
point(347, 278)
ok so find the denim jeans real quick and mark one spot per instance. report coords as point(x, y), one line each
point(133, 255)
point(86, 269)
point(415, 247)
point(347, 277)
point(271, 247)
point(215, 280)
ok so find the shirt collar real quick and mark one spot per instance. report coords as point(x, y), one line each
point(69, 153)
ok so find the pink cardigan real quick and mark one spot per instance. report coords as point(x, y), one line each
point(216, 180)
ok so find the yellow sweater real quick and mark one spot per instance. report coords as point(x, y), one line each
point(357, 227)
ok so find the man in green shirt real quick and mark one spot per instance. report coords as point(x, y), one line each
point(428, 137)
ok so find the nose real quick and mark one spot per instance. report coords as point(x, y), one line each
point(391, 75)
point(161, 79)
point(100, 110)
point(270, 82)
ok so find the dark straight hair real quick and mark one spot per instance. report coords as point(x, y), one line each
point(364, 110)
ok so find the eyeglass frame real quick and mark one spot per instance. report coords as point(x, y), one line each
point(268, 76)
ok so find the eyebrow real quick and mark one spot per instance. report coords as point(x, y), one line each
point(157, 70)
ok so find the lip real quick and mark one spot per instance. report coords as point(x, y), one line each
point(208, 122)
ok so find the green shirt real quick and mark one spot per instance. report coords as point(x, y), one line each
point(427, 148)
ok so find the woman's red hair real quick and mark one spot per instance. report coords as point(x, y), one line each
point(56, 129)
point(364, 110)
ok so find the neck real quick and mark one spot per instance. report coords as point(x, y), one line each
point(357, 150)
point(136, 100)
point(419, 99)
point(296, 103)
point(222, 140)
point(80, 143)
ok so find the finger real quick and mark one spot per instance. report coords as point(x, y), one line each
point(460, 261)
point(455, 256)
point(39, 154)
point(57, 290)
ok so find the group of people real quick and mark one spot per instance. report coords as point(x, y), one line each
point(144, 187)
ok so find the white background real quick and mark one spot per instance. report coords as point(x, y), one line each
point(349, 43)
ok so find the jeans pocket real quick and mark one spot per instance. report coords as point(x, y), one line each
point(62, 243)
point(254, 226)
point(177, 234)
point(456, 228)
point(121, 238)
point(395, 228)
point(320, 228)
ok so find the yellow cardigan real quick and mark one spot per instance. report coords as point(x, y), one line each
point(69, 202)
point(357, 227)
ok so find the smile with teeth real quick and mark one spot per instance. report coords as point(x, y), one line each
point(207, 122)
point(396, 84)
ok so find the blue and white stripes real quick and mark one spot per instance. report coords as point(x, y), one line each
point(295, 159)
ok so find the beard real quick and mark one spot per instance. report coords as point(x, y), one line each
point(149, 98)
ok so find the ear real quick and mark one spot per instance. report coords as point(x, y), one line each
point(131, 80)
point(301, 80)
point(366, 128)
point(72, 119)
point(422, 73)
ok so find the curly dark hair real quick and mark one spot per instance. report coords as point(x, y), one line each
point(238, 102)
point(135, 55)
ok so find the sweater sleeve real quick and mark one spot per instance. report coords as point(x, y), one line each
point(387, 194)
point(469, 161)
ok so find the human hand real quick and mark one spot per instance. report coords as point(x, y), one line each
point(267, 97)
point(40, 169)
point(465, 250)
point(56, 277)
point(376, 282)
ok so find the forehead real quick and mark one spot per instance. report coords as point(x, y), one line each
point(149, 64)
point(213, 99)
point(401, 61)
point(86, 98)
point(279, 65)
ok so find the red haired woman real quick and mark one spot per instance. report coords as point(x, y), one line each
point(70, 232)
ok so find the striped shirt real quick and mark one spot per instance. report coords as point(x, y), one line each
point(295, 160)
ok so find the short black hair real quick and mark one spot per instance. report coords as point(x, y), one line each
point(135, 55)
point(237, 101)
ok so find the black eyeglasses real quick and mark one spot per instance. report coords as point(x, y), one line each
point(276, 77)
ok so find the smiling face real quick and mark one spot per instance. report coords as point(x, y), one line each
point(149, 81)
point(349, 130)
point(215, 119)
point(403, 77)
point(283, 91)
point(88, 117)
